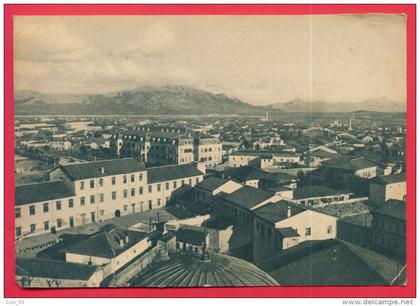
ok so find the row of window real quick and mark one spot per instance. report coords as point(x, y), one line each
point(113, 181)
point(92, 198)
point(387, 225)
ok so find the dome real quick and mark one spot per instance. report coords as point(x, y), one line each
point(189, 271)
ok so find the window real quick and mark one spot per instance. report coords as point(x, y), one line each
point(32, 227)
point(167, 185)
point(308, 231)
point(133, 207)
point(140, 176)
point(190, 182)
point(18, 231)
point(71, 203)
point(150, 204)
point(82, 201)
point(92, 216)
point(158, 187)
point(125, 193)
point(197, 180)
point(101, 197)
point(133, 192)
point(182, 182)
point(92, 184)
point(92, 199)
point(174, 184)
point(158, 202)
point(46, 226)
point(102, 212)
point(59, 223)
point(32, 210)
point(46, 207)
point(17, 212)
point(150, 188)
point(114, 195)
point(71, 221)
point(82, 185)
point(132, 178)
point(329, 230)
point(125, 207)
point(58, 205)
point(101, 182)
point(113, 180)
point(141, 190)
point(125, 179)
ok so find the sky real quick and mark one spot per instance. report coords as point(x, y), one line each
point(258, 59)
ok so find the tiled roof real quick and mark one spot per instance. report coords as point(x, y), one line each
point(350, 163)
point(47, 268)
point(245, 173)
point(88, 170)
point(315, 191)
point(247, 197)
point(324, 263)
point(394, 209)
point(39, 192)
point(106, 244)
point(389, 179)
point(194, 237)
point(212, 182)
point(275, 212)
point(173, 172)
point(287, 232)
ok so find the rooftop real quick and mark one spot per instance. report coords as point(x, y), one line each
point(350, 163)
point(315, 191)
point(172, 172)
point(247, 197)
point(39, 192)
point(191, 271)
point(212, 182)
point(195, 237)
point(47, 268)
point(87, 170)
point(389, 179)
point(276, 212)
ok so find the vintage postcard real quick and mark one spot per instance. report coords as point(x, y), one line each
point(193, 150)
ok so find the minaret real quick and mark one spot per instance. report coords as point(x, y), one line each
point(350, 128)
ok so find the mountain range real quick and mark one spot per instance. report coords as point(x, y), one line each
point(173, 100)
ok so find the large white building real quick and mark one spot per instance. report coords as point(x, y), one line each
point(88, 192)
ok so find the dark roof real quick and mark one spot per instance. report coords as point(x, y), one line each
point(245, 173)
point(173, 172)
point(247, 197)
point(47, 268)
point(393, 209)
point(311, 263)
point(106, 244)
point(389, 179)
point(183, 270)
point(88, 170)
point(212, 182)
point(315, 191)
point(322, 154)
point(287, 232)
point(39, 192)
point(191, 236)
point(350, 163)
point(276, 212)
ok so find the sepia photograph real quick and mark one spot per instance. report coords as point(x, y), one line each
point(210, 150)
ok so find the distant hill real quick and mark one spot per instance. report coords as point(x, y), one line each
point(374, 105)
point(174, 100)
point(139, 101)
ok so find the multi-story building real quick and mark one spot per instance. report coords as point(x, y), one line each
point(88, 192)
point(166, 146)
point(389, 227)
point(384, 188)
point(317, 194)
point(208, 150)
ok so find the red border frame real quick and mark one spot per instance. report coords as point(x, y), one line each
point(11, 289)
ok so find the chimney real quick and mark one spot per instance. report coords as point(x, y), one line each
point(102, 170)
point(126, 238)
point(289, 212)
point(334, 254)
point(121, 242)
